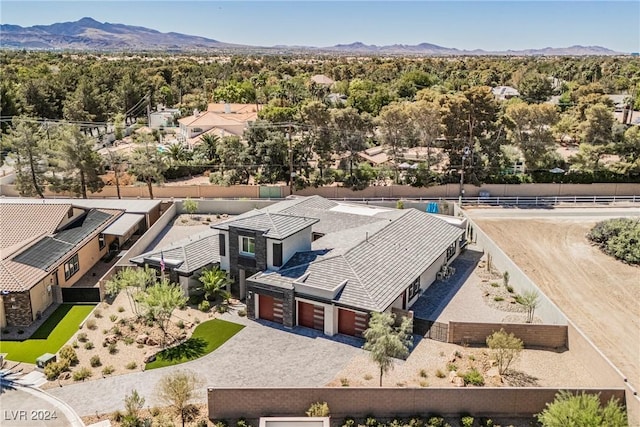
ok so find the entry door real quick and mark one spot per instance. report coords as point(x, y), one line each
point(242, 283)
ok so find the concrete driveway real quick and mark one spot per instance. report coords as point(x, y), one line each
point(260, 355)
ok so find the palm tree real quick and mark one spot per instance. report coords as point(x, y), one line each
point(209, 147)
point(215, 282)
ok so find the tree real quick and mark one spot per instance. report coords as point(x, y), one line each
point(215, 282)
point(535, 87)
point(385, 341)
point(208, 147)
point(25, 141)
point(530, 129)
point(582, 410)
point(530, 301)
point(350, 131)
point(77, 163)
point(160, 301)
point(132, 281)
point(133, 403)
point(425, 116)
point(505, 348)
point(146, 162)
point(597, 129)
point(177, 390)
point(190, 205)
point(396, 129)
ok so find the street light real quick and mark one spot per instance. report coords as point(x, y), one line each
point(466, 152)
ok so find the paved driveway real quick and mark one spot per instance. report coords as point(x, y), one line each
point(257, 356)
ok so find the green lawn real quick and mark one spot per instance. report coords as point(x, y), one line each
point(206, 337)
point(49, 337)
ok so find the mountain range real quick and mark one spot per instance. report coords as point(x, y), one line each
point(88, 34)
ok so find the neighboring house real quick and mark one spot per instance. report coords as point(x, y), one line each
point(504, 92)
point(376, 156)
point(323, 80)
point(163, 117)
point(219, 119)
point(48, 245)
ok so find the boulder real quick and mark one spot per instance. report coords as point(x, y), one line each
point(458, 382)
point(452, 376)
point(142, 338)
point(149, 357)
point(493, 372)
point(151, 341)
point(111, 339)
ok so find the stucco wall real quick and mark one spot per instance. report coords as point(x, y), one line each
point(41, 298)
point(233, 403)
point(88, 256)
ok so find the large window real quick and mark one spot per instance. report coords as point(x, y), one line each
point(101, 242)
point(414, 289)
point(451, 251)
point(277, 254)
point(71, 267)
point(247, 246)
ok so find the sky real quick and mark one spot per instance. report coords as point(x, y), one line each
point(488, 25)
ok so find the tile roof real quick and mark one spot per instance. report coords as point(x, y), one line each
point(25, 221)
point(24, 270)
point(378, 267)
point(194, 252)
point(272, 225)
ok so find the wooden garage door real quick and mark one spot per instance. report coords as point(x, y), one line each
point(352, 323)
point(311, 315)
point(270, 308)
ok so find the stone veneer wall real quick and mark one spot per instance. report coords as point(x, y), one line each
point(286, 295)
point(17, 308)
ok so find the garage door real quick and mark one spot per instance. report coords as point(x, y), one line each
point(270, 308)
point(352, 323)
point(311, 315)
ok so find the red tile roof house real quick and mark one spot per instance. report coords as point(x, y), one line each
point(45, 247)
point(317, 263)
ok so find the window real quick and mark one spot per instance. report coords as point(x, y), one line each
point(247, 246)
point(414, 289)
point(277, 254)
point(222, 244)
point(101, 241)
point(71, 267)
point(451, 251)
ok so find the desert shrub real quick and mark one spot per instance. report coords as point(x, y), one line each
point(473, 377)
point(349, 422)
point(498, 299)
point(371, 421)
point(67, 352)
point(424, 383)
point(582, 410)
point(120, 309)
point(91, 324)
point(95, 361)
point(82, 374)
point(82, 337)
point(75, 344)
point(108, 370)
point(204, 306)
point(116, 331)
point(495, 284)
point(242, 312)
point(486, 422)
point(117, 416)
point(440, 374)
point(222, 308)
point(423, 373)
point(510, 289)
point(131, 365)
point(466, 421)
point(113, 348)
point(197, 321)
point(180, 324)
point(452, 367)
point(619, 238)
point(97, 313)
point(318, 409)
point(344, 382)
point(154, 411)
point(368, 377)
point(54, 369)
point(88, 345)
point(505, 348)
point(128, 340)
point(113, 317)
point(435, 421)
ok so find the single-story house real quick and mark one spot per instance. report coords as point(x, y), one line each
point(46, 246)
point(219, 119)
point(505, 92)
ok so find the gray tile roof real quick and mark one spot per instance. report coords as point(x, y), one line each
point(378, 267)
point(272, 225)
point(195, 252)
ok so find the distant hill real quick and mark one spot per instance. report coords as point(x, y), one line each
point(89, 34)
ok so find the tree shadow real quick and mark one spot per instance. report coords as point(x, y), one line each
point(190, 349)
point(520, 379)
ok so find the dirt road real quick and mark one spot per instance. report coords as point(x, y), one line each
point(599, 294)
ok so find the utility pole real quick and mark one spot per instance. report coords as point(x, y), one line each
point(465, 154)
point(291, 175)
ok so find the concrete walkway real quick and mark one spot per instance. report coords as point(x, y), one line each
point(260, 355)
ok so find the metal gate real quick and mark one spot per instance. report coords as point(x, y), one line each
point(438, 331)
point(270, 192)
point(80, 294)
